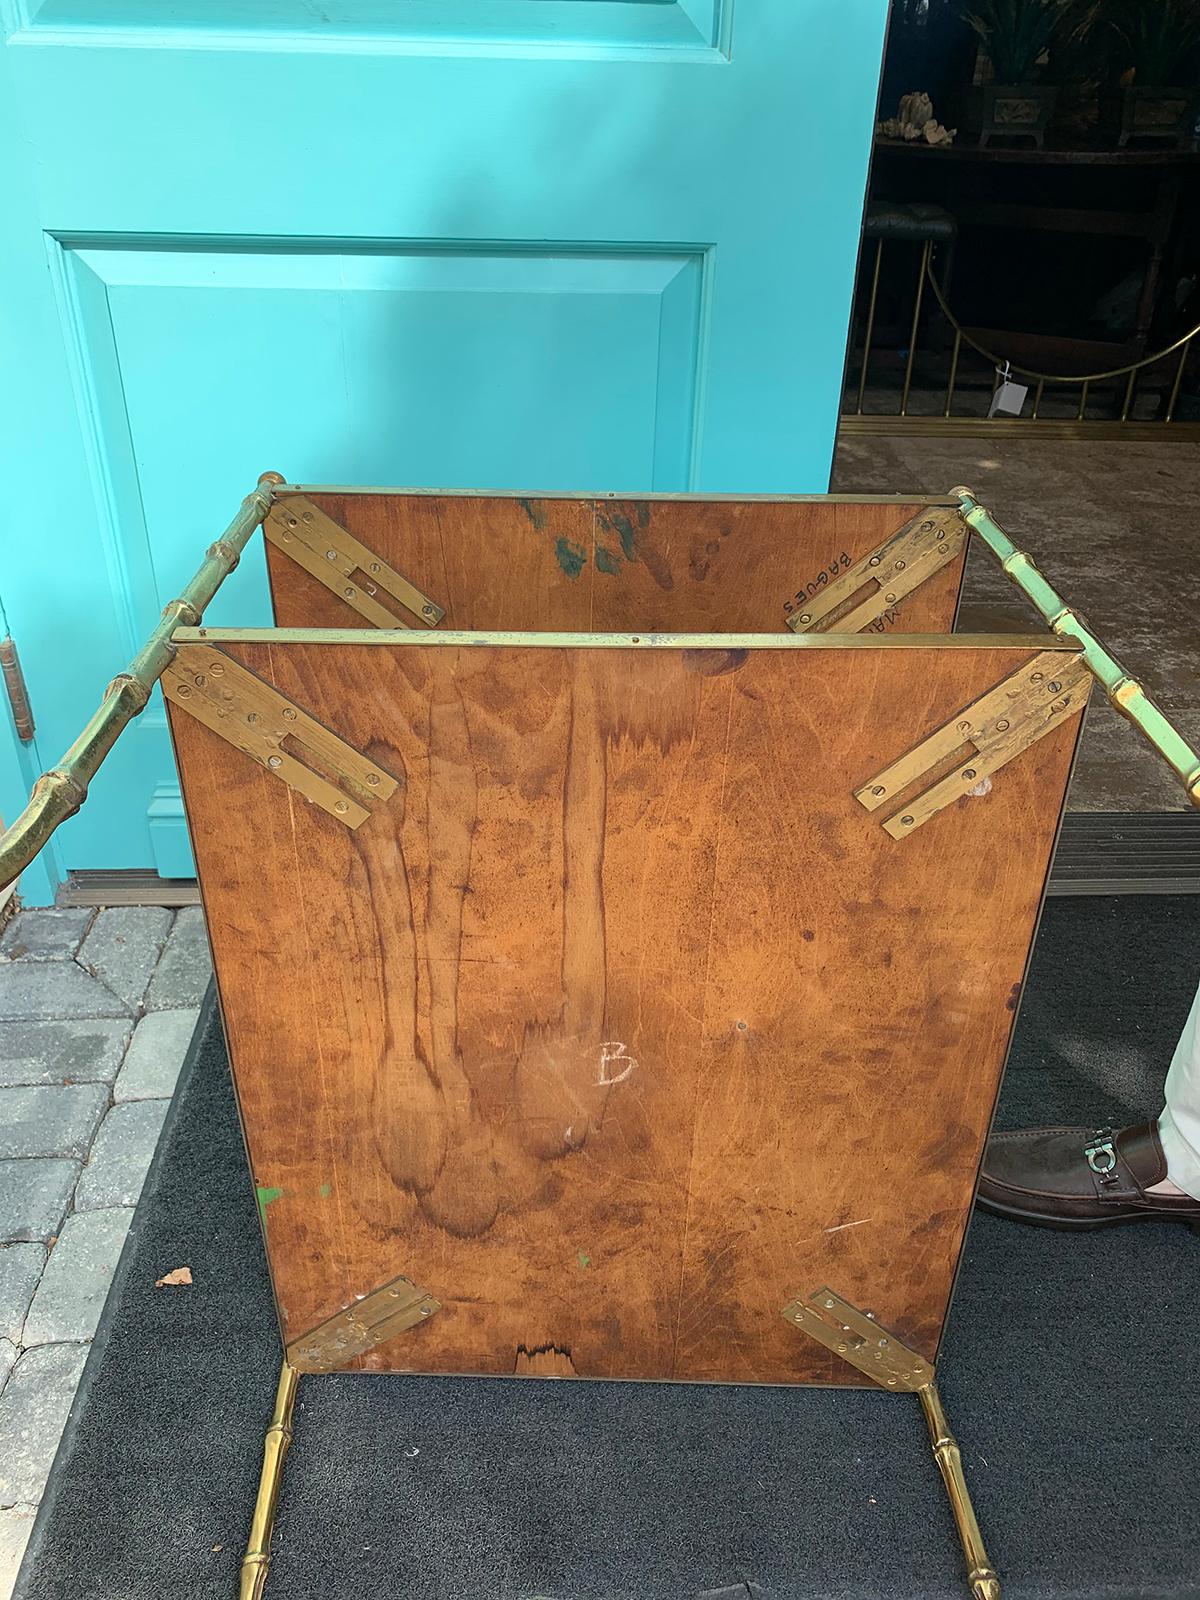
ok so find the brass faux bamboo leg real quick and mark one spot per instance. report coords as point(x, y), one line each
point(279, 1435)
point(981, 1574)
point(857, 1338)
point(59, 793)
point(1124, 692)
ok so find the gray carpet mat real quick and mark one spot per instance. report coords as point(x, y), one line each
point(1066, 1371)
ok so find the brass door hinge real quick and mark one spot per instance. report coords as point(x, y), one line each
point(1016, 713)
point(257, 719)
point(901, 564)
point(18, 692)
point(345, 565)
point(386, 1311)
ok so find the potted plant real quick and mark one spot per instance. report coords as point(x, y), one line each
point(1155, 53)
point(1014, 35)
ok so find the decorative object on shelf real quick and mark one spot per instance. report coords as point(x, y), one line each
point(1155, 48)
point(915, 120)
point(1015, 36)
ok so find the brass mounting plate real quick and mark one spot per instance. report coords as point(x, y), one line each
point(345, 565)
point(386, 1311)
point(1016, 713)
point(858, 1339)
point(900, 565)
point(257, 719)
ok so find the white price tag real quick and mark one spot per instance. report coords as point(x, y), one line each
point(1009, 397)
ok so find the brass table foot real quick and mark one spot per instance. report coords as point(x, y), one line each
point(279, 1435)
point(981, 1575)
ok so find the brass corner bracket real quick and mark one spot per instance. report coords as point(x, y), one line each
point(380, 1315)
point(345, 565)
point(856, 1337)
point(900, 564)
point(255, 718)
point(979, 740)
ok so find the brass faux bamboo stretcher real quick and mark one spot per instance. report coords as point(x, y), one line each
point(848, 1332)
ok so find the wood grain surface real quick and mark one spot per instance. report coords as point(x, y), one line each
point(596, 566)
point(623, 1022)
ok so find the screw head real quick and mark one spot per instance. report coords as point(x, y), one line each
point(348, 592)
point(968, 772)
point(184, 690)
point(1036, 677)
point(1053, 686)
point(372, 778)
point(252, 716)
point(200, 680)
point(274, 761)
point(807, 617)
point(906, 822)
point(1002, 725)
point(873, 562)
point(877, 789)
point(426, 611)
point(289, 713)
point(890, 598)
point(375, 567)
point(340, 807)
point(900, 566)
point(331, 555)
point(426, 1311)
point(216, 669)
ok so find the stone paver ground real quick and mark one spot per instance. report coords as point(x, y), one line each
point(97, 1009)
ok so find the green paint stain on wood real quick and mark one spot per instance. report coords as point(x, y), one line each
point(626, 534)
point(323, 1191)
point(535, 512)
point(608, 561)
point(585, 1260)
point(571, 557)
point(265, 1197)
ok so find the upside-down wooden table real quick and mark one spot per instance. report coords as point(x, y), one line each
point(604, 991)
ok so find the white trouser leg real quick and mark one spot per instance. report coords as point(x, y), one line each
point(1179, 1123)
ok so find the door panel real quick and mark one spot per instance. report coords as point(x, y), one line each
point(555, 244)
point(694, 25)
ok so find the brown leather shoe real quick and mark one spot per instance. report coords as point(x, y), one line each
point(1073, 1178)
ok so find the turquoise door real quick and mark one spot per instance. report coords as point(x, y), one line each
point(573, 244)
